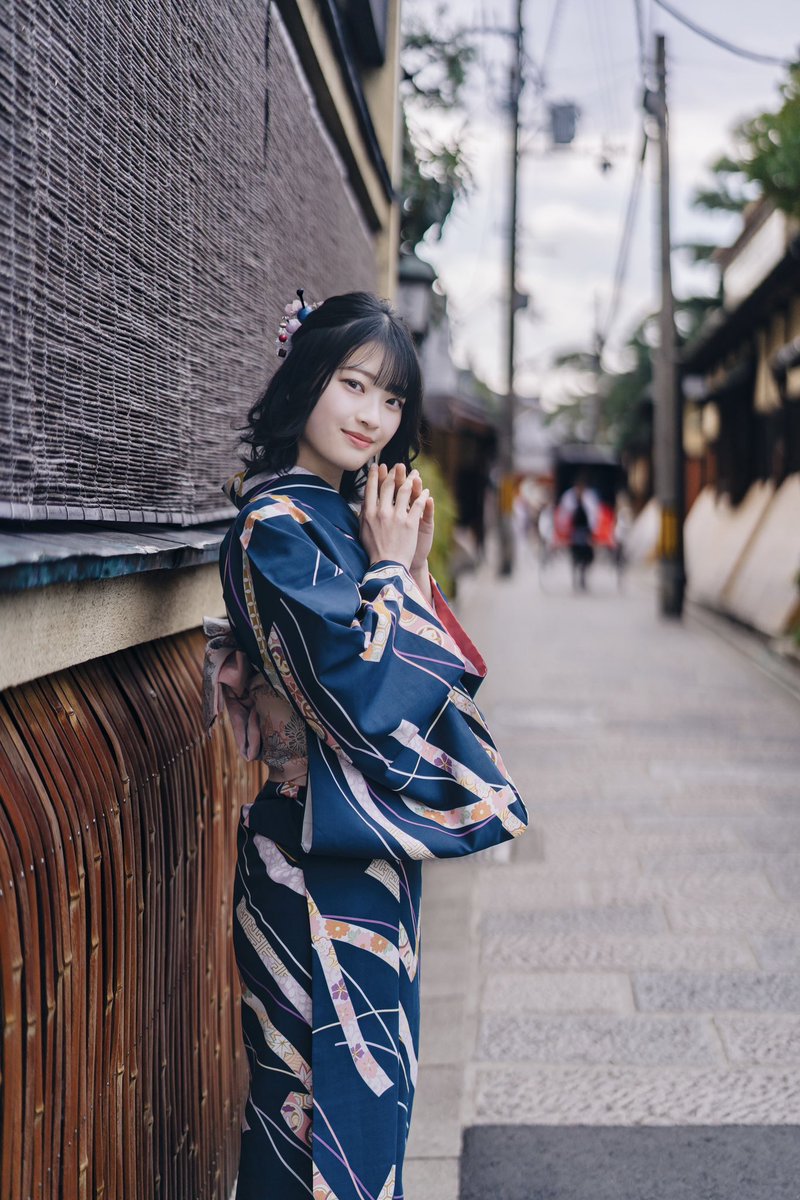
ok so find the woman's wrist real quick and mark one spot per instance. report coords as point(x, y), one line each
point(421, 576)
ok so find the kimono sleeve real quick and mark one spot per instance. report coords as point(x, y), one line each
point(403, 764)
point(350, 657)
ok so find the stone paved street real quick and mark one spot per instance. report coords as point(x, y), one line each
point(635, 959)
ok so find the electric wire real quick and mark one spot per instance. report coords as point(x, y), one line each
point(768, 59)
point(550, 41)
point(626, 240)
point(640, 39)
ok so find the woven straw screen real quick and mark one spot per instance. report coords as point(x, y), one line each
point(150, 237)
point(122, 1071)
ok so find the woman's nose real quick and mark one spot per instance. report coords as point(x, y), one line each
point(368, 413)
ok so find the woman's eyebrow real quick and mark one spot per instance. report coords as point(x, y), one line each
point(360, 370)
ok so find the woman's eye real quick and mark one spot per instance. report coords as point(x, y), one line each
point(396, 400)
point(355, 382)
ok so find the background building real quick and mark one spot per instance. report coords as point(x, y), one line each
point(742, 430)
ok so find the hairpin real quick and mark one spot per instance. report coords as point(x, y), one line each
point(295, 313)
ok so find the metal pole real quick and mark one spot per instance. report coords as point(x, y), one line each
point(668, 409)
point(506, 564)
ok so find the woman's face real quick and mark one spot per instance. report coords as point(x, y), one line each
point(352, 421)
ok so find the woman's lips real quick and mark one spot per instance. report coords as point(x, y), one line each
point(361, 442)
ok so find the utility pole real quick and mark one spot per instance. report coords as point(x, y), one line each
point(668, 425)
point(506, 564)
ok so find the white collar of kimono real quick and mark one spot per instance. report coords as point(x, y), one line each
point(237, 488)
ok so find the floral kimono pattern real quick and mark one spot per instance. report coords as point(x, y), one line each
point(379, 760)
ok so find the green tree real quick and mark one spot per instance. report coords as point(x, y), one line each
point(769, 148)
point(765, 162)
point(435, 67)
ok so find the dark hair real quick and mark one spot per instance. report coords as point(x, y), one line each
point(327, 339)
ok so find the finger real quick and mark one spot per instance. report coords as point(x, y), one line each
point(386, 500)
point(399, 477)
point(403, 496)
point(417, 508)
point(370, 490)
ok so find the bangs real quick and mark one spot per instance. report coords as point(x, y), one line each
point(398, 371)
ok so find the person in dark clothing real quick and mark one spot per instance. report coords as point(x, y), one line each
point(579, 505)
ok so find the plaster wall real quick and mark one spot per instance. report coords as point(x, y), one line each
point(716, 536)
point(762, 590)
point(50, 628)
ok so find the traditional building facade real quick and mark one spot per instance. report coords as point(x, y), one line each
point(741, 383)
point(176, 171)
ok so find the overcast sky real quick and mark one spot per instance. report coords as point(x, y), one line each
point(570, 213)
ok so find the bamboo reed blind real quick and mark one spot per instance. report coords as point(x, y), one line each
point(150, 235)
point(122, 1072)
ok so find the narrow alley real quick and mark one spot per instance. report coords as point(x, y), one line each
point(633, 961)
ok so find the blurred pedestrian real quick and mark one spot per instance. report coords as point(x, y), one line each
point(578, 514)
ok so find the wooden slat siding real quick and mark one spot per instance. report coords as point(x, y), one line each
point(122, 1071)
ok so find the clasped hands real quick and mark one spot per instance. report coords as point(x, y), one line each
point(397, 519)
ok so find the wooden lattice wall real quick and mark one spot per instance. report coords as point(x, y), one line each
point(122, 1072)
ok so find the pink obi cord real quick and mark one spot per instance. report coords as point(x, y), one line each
point(231, 681)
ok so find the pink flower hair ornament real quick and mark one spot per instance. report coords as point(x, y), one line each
point(295, 313)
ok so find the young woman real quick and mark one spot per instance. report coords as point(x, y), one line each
point(362, 706)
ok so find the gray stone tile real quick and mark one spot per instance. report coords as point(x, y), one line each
point(664, 952)
point(759, 774)
point(777, 950)
point(703, 991)
point(660, 833)
point(431, 1178)
point(576, 826)
point(607, 856)
point(685, 916)
point(529, 848)
point(558, 992)
point(773, 1040)
point(443, 1031)
point(449, 927)
point(774, 835)
point(784, 875)
point(576, 797)
point(584, 1162)
point(699, 887)
point(435, 1124)
point(787, 805)
point(653, 1041)
point(635, 1096)
point(446, 971)
point(518, 886)
point(740, 861)
point(727, 803)
point(631, 918)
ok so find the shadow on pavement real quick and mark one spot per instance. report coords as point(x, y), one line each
point(582, 1162)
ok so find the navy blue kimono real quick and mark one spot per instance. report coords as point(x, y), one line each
point(379, 759)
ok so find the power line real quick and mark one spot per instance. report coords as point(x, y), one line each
point(626, 240)
point(637, 5)
point(768, 59)
point(552, 33)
